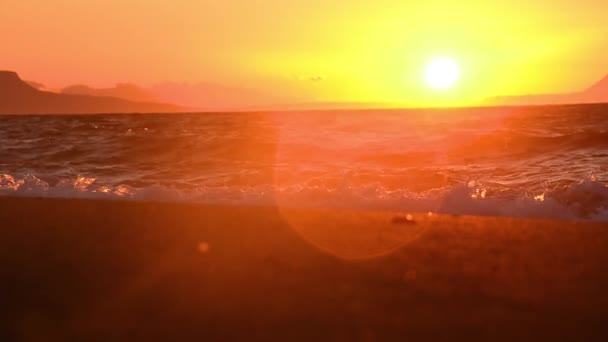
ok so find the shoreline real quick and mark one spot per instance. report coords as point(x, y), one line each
point(77, 269)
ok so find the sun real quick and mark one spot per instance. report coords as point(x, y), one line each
point(442, 73)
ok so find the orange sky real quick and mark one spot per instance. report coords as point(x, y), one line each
point(339, 50)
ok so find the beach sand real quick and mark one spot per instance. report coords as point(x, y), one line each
point(87, 270)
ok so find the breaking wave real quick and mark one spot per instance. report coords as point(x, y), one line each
point(584, 200)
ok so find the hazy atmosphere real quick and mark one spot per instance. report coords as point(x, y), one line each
point(304, 170)
point(307, 51)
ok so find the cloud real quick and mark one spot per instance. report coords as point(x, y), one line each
point(309, 78)
point(316, 78)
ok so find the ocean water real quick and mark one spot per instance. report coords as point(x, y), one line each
point(524, 162)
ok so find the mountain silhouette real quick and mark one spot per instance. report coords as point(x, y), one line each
point(596, 93)
point(19, 97)
point(199, 96)
point(125, 91)
point(211, 96)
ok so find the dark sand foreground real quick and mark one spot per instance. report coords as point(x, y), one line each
point(76, 270)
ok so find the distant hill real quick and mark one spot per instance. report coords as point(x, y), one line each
point(199, 96)
point(594, 94)
point(125, 91)
point(325, 106)
point(19, 97)
point(599, 91)
point(211, 96)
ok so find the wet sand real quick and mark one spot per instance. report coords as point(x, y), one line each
point(85, 270)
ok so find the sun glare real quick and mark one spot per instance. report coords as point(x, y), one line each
point(442, 73)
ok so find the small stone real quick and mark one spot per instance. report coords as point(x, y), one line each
point(403, 219)
point(203, 247)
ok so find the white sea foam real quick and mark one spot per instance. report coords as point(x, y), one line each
point(584, 200)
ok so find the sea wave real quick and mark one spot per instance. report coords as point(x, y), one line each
point(583, 200)
point(525, 162)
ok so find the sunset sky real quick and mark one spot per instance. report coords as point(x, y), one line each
point(316, 50)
